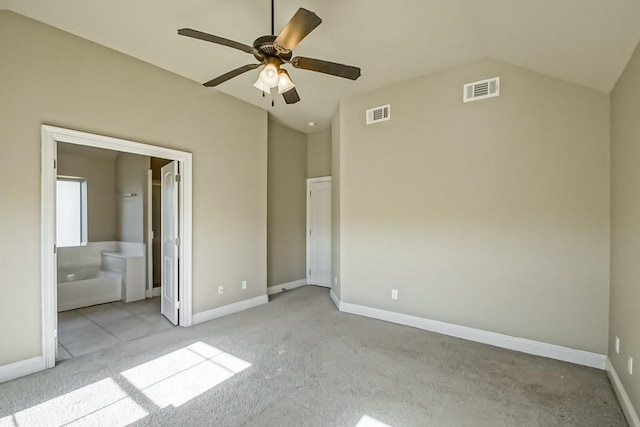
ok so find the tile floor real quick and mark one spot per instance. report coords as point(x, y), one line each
point(94, 328)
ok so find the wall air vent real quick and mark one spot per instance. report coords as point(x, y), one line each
point(481, 89)
point(379, 114)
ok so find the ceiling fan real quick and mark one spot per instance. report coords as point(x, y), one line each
point(274, 51)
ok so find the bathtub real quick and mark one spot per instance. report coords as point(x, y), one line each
point(83, 287)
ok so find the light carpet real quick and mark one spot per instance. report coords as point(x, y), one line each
point(297, 361)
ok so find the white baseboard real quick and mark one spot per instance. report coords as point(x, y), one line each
point(537, 348)
point(22, 368)
point(225, 310)
point(623, 397)
point(155, 292)
point(286, 286)
point(335, 299)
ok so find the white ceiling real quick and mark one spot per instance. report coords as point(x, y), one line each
point(587, 42)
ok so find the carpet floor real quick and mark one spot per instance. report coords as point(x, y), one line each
point(297, 361)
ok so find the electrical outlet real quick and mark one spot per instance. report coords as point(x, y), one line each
point(244, 284)
point(394, 294)
point(617, 345)
point(630, 365)
point(220, 290)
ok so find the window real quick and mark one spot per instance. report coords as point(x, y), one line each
point(71, 211)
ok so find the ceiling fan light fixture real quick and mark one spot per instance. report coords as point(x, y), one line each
point(258, 85)
point(285, 83)
point(269, 76)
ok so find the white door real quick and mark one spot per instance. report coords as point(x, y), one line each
point(319, 232)
point(169, 251)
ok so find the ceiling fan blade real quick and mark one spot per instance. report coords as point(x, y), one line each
point(218, 40)
point(340, 70)
point(231, 74)
point(291, 96)
point(298, 27)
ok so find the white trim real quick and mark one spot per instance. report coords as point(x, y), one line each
point(21, 368)
point(286, 286)
point(335, 299)
point(319, 179)
point(149, 232)
point(623, 397)
point(51, 135)
point(537, 348)
point(153, 292)
point(48, 256)
point(225, 310)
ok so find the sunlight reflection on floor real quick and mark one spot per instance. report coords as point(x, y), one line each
point(98, 401)
point(180, 376)
point(172, 379)
point(367, 421)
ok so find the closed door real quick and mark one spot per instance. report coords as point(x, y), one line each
point(169, 247)
point(319, 232)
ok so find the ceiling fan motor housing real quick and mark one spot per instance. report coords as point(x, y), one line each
point(265, 45)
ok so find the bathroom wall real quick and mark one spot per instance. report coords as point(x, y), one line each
point(98, 168)
point(131, 189)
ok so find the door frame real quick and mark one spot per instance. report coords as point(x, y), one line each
point(311, 181)
point(51, 135)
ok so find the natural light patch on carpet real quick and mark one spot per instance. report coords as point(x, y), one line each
point(96, 404)
point(367, 421)
point(178, 377)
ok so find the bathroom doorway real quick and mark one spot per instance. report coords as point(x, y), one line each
point(99, 278)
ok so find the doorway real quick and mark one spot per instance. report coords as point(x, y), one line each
point(319, 231)
point(181, 193)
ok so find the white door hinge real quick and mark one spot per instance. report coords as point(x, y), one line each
point(177, 177)
point(55, 249)
point(178, 305)
point(177, 241)
point(55, 164)
point(55, 333)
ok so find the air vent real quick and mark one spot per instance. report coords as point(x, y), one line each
point(379, 114)
point(481, 89)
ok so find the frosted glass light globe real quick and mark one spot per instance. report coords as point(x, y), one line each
point(269, 76)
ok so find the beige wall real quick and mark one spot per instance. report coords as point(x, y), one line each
point(132, 178)
point(335, 202)
point(48, 76)
point(625, 226)
point(98, 168)
point(490, 214)
point(319, 154)
point(287, 204)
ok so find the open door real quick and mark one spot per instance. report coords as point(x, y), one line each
point(170, 242)
point(319, 231)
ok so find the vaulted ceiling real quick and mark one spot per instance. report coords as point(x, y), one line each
point(587, 42)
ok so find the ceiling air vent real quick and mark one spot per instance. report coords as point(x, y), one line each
point(379, 114)
point(481, 89)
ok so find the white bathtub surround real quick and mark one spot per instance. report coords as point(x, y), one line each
point(82, 288)
point(131, 268)
point(86, 278)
